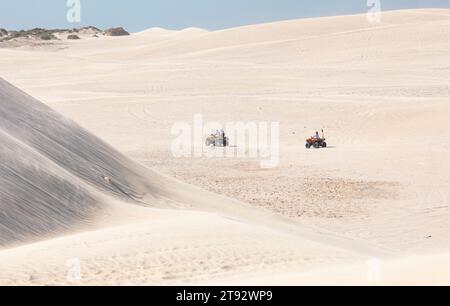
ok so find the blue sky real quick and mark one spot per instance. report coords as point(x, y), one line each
point(136, 15)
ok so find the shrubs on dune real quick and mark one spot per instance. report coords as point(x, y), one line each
point(3, 33)
point(36, 33)
point(116, 32)
point(73, 37)
point(48, 35)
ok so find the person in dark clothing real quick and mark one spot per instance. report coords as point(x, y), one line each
point(224, 139)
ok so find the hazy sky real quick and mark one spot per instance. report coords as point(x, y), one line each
point(136, 15)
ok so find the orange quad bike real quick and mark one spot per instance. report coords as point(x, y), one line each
point(316, 142)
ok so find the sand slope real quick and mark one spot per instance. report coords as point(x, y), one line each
point(53, 171)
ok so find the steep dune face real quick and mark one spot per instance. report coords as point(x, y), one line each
point(36, 199)
point(62, 141)
point(53, 173)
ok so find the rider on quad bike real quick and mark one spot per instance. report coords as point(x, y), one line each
point(316, 141)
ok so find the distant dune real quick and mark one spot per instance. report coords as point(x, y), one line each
point(293, 41)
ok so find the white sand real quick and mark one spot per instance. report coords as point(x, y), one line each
point(380, 191)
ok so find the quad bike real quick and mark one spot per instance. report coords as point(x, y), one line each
point(315, 143)
point(217, 141)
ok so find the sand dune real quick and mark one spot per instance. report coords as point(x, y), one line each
point(291, 41)
point(53, 171)
point(380, 191)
